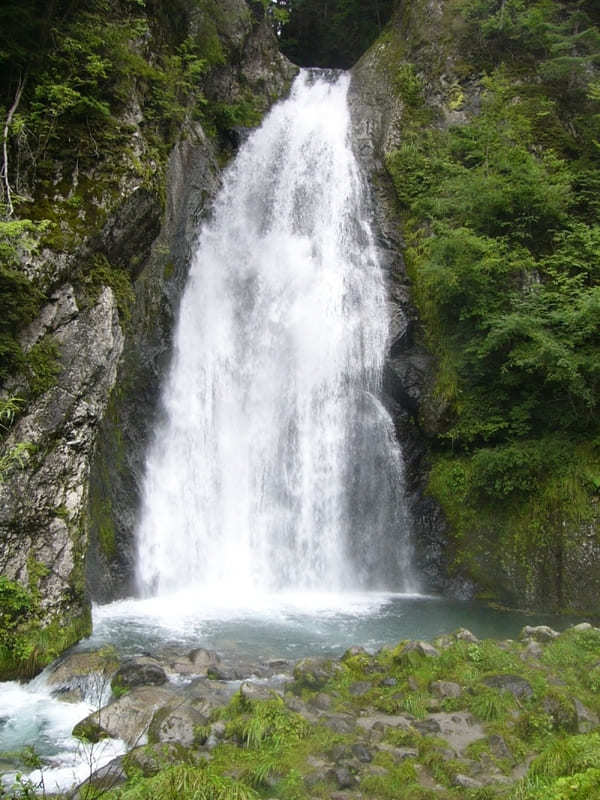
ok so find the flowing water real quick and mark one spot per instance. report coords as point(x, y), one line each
point(273, 521)
point(277, 465)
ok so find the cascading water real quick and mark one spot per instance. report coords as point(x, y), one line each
point(277, 465)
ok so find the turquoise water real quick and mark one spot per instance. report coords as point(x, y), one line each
point(296, 624)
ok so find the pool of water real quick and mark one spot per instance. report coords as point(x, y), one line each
point(295, 624)
point(243, 629)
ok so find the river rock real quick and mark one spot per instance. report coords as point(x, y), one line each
point(517, 686)
point(418, 649)
point(140, 671)
point(256, 691)
point(344, 778)
point(458, 728)
point(533, 650)
point(128, 717)
point(465, 635)
point(176, 725)
point(540, 633)
point(362, 753)
point(445, 689)
point(151, 758)
point(196, 662)
point(81, 676)
point(313, 673)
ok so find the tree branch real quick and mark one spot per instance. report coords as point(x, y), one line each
point(11, 113)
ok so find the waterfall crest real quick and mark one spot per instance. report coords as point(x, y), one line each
point(277, 466)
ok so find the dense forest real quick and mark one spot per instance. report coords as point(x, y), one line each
point(503, 247)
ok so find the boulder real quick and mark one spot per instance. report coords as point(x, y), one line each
point(151, 758)
point(517, 686)
point(418, 649)
point(540, 633)
point(140, 671)
point(196, 662)
point(445, 689)
point(128, 717)
point(314, 673)
point(83, 676)
point(176, 725)
point(465, 635)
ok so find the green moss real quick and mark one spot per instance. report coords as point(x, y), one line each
point(43, 365)
point(98, 273)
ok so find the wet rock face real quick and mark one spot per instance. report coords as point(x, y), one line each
point(377, 115)
point(42, 507)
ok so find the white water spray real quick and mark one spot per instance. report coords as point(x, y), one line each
point(277, 467)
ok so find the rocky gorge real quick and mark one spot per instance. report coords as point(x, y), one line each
point(106, 250)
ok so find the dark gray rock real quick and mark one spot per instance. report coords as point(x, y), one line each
point(140, 671)
point(314, 673)
point(344, 778)
point(362, 753)
point(427, 726)
point(517, 686)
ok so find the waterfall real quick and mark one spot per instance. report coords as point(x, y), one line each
point(276, 466)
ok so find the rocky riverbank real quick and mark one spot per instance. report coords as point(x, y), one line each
point(458, 717)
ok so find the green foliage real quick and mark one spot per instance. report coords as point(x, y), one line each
point(19, 299)
point(187, 782)
point(92, 277)
point(502, 228)
point(27, 641)
point(269, 722)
